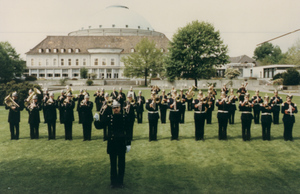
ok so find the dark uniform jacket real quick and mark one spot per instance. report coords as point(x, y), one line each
point(276, 103)
point(232, 106)
point(86, 111)
point(290, 117)
point(163, 102)
point(34, 114)
point(246, 111)
point(68, 111)
point(266, 110)
point(79, 98)
point(174, 113)
point(140, 101)
point(114, 94)
point(99, 99)
point(183, 100)
point(257, 100)
point(131, 112)
point(152, 111)
point(14, 115)
point(50, 111)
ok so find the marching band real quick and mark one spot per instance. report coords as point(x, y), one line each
point(157, 106)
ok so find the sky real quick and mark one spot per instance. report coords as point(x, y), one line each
point(242, 24)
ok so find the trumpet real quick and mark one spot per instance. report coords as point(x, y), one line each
point(29, 99)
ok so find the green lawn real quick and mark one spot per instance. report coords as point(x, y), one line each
point(164, 166)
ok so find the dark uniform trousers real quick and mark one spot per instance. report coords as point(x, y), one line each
point(87, 119)
point(288, 121)
point(174, 123)
point(68, 118)
point(208, 115)
point(231, 114)
point(34, 121)
point(34, 130)
point(153, 128)
point(68, 129)
point(276, 110)
point(256, 111)
point(223, 121)
point(163, 113)
point(14, 120)
point(182, 113)
point(139, 117)
point(14, 130)
point(199, 125)
point(266, 121)
point(116, 177)
point(87, 130)
point(246, 125)
point(51, 129)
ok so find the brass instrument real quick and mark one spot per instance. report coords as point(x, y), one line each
point(29, 99)
point(69, 90)
point(190, 94)
point(266, 105)
point(290, 108)
point(10, 102)
point(246, 104)
point(66, 101)
point(50, 101)
point(32, 106)
point(127, 107)
point(83, 103)
point(201, 102)
point(105, 105)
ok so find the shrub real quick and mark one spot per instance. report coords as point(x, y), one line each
point(83, 73)
point(89, 82)
point(63, 81)
point(291, 77)
point(30, 78)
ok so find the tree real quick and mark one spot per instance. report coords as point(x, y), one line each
point(293, 54)
point(291, 77)
point(83, 73)
point(268, 54)
point(231, 73)
point(11, 64)
point(194, 51)
point(146, 61)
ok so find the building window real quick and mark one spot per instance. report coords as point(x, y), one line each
point(55, 50)
point(47, 50)
point(42, 75)
point(116, 75)
point(62, 62)
point(132, 50)
point(40, 62)
point(40, 50)
point(96, 62)
point(103, 61)
point(70, 50)
point(162, 50)
point(100, 26)
point(108, 75)
point(77, 62)
point(84, 62)
point(57, 75)
point(54, 61)
point(139, 27)
point(32, 62)
point(75, 74)
point(126, 26)
point(77, 50)
point(113, 25)
point(112, 61)
point(49, 75)
point(65, 75)
point(62, 50)
point(47, 62)
point(69, 62)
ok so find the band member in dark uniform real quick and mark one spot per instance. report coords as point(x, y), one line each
point(213, 91)
point(79, 98)
point(114, 94)
point(256, 101)
point(153, 116)
point(246, 117)
point(68, 106)
point(189, 98)
point(132, 93)
point(163, 106)
point(266, 118)
point(182, 107)
point(34, 117)
point(232, 106)
point(86, 108)
point(140, 101)
point(241, 92)
point(45, 98)
point(118, 143)
point(99, 99)
point(210, 107)
point(129, 107)
point(14, 116)
point(60, 101)
point(50, 115)
point(288, 109)
point(106, 110)
point(276, 102)
point(121, 99)
point(155, 89)
point(200, 107)
point(223, 107)
point(225, 89)
point(174, 116)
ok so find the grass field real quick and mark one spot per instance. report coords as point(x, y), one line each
point(163, 166)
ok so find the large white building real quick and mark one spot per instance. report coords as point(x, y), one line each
point(99, 47)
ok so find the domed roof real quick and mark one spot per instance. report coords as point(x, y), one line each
point(119, 16)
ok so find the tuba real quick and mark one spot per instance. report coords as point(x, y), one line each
point(190, 93)
point(10, 102)
point(29, 99)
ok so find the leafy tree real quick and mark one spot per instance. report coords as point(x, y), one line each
point(194, 51)
point(231, 73)
point(146, 61)
point(277, 76)
point(83, 73)
point(267, 54)
point(11, 64)
point(293, 54)
point(291, 77)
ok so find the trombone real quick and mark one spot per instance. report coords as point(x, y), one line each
point(105, 105)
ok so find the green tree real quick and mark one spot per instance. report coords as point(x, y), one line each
point(293, 54)
point(83, 73)
point(267, 54)
point(232, 73)
point(11, 64)
point(146, 61)
point(194, 51)
point(291, 77)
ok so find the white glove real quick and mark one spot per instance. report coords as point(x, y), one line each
point(96, 116)
point(128, 148)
